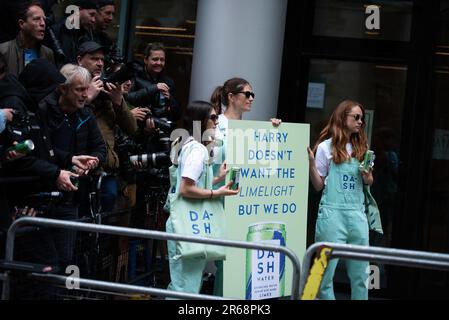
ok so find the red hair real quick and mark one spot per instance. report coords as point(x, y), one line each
point(335, 129)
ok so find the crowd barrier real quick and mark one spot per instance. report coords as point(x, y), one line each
point(147, 234)
point(398, 257)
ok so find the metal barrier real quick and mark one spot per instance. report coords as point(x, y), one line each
point(148, 234)
point(399, 257)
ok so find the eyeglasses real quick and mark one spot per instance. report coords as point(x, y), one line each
point(247, 94)
point(213, 117)
point(357, 117)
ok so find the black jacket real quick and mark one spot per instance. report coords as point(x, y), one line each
point(88, 139)
point(41, 162)
point(144, 93)
point(69, 41)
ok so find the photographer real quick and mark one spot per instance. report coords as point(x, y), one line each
point(27, 46)
point(26, 125)
point(110, 110)
point(73, 131)
point(70, 39)
point(152, 87)
point(103, 20)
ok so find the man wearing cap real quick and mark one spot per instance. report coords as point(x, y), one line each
point(27, 46)
point(70, 39)
point(110, 110)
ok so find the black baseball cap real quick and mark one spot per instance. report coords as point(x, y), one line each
point(86, 4)
point(90, 47)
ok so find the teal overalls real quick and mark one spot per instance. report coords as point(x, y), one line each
point(187, 274)
point(341, 219)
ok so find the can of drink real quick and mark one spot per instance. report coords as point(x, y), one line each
point(368, 160)
point(265, 270)
point(74, 180)
point(23, 147)
point(234, 175)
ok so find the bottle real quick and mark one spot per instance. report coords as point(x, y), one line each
point(23, 147)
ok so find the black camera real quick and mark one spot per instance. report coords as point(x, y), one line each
point(114, 56)
point(152, 160)
point(19, 129)
point(163, 124)
point(125, 73)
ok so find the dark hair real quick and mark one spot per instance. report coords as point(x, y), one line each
point(220, 95)
point(22, 13)
point(3, 64)
point(157, 46)
point(197, 111)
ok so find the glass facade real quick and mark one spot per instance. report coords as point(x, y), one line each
point(343, 18)
point(171, 22)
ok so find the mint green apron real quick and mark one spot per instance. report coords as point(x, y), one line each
point(342, 219)
point(220, 157)
point(186, 275)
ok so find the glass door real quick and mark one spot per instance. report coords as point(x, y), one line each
point(380, 88)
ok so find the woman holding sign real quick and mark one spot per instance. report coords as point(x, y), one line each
point(341, 217)
point(196, 180)
point(236, 95)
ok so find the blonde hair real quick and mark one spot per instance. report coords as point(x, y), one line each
point(71, 71)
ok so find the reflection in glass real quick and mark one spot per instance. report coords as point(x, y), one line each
point(171, 22)
point(347, 19)
point(381, 90)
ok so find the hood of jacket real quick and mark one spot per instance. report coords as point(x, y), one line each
point(10, 86)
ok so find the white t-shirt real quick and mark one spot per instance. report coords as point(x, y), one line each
point(323, 157)
point(192, 163)
point(222, 127)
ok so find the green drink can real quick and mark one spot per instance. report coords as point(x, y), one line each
point(265, 270)
point(23, 147)
point(368, 160)
point(234, 175)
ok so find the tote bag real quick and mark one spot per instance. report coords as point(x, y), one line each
point(197, 217)
point(372, 211)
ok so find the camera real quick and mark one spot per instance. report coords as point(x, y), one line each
point(163, 124)
point(19, 129)
point(126, 72)
point(152, 160)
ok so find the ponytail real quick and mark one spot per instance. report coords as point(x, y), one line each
point(216, 99)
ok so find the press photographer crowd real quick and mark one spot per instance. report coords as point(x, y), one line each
point(82, 131)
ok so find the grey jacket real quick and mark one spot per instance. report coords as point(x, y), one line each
point(13, 52)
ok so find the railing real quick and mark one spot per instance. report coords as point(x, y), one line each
point(148, 234)
point(399, 257)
